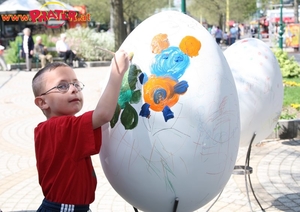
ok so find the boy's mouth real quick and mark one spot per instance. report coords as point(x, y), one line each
point(75, 100)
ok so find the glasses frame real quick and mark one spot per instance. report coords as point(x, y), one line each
point(75, 84)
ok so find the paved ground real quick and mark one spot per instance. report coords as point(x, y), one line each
point(275, 178)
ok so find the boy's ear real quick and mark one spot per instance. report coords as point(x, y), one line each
point(40, 102)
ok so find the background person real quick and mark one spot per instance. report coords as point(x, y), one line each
point(225, 38)
point(27, 47)
point(233, 31)
point(41, 51)
point(218, 35)
point(64, 50)
point(2, 60)
point(252, 31)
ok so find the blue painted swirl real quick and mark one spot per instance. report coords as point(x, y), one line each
point(171, 62)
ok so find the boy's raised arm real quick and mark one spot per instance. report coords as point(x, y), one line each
point(107, 103)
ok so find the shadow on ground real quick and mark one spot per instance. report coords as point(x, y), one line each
point(288, 202)
point(291, 142)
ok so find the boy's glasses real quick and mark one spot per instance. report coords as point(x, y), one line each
point(64, 87)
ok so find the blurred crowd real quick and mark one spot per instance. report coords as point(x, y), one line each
point(227, 37)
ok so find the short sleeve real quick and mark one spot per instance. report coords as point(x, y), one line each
point(73, 135)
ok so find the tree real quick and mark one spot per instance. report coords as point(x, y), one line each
point(118, 22)
point(211, 11)
point(99, 10)
point(296, 13)
point(214, 11)
point(136, 11)
point(121, 14)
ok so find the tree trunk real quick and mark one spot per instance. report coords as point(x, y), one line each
point(128, 26)
point(296, 13)
point(111, 23)
point(221, 22)
point(118, 22)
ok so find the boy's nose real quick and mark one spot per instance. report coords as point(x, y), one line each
point(73, 88)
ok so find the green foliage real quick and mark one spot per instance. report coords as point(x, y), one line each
point(287, 116)
point(99, 10)
point(82, 40)
point(291, 93)
point(288, 66)
point(214, 12)
point(134, 11)
point(291, 98)
point(12, 54)
point(142, 9)
point(85, 40)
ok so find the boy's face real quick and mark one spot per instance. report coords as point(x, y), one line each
point(57, 103)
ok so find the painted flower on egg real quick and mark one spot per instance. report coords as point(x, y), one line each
point(161, 90)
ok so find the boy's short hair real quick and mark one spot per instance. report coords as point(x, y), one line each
point(37, 81)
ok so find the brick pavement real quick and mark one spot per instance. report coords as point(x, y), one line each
point(275, 178)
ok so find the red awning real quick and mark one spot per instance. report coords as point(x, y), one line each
point(230, 23)
point(284, 19)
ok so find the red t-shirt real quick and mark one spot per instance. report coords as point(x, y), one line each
point(63, 146)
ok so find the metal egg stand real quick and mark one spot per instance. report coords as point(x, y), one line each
point(174, 207)
point(245, 170)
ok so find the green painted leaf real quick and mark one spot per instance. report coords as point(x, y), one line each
point(125, 96)
point(132, 76)
point(129, 117)
point(115, 118)
point(125, 85)
point(136, 97)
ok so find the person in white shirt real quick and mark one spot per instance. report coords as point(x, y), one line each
point(27, 47)
point(2, 61)
point(64, 50)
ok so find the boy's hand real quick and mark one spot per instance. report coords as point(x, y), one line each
point(120, 62)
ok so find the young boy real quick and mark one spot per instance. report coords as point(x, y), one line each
point(64, 142)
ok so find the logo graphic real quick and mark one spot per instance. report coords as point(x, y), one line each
point(51, 18)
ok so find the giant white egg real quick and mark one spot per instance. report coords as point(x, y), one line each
point(176, 130)
point(260, 89)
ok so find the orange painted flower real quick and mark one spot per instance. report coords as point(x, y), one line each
point(190, 46)
point(159, 92)
point(159, 43)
